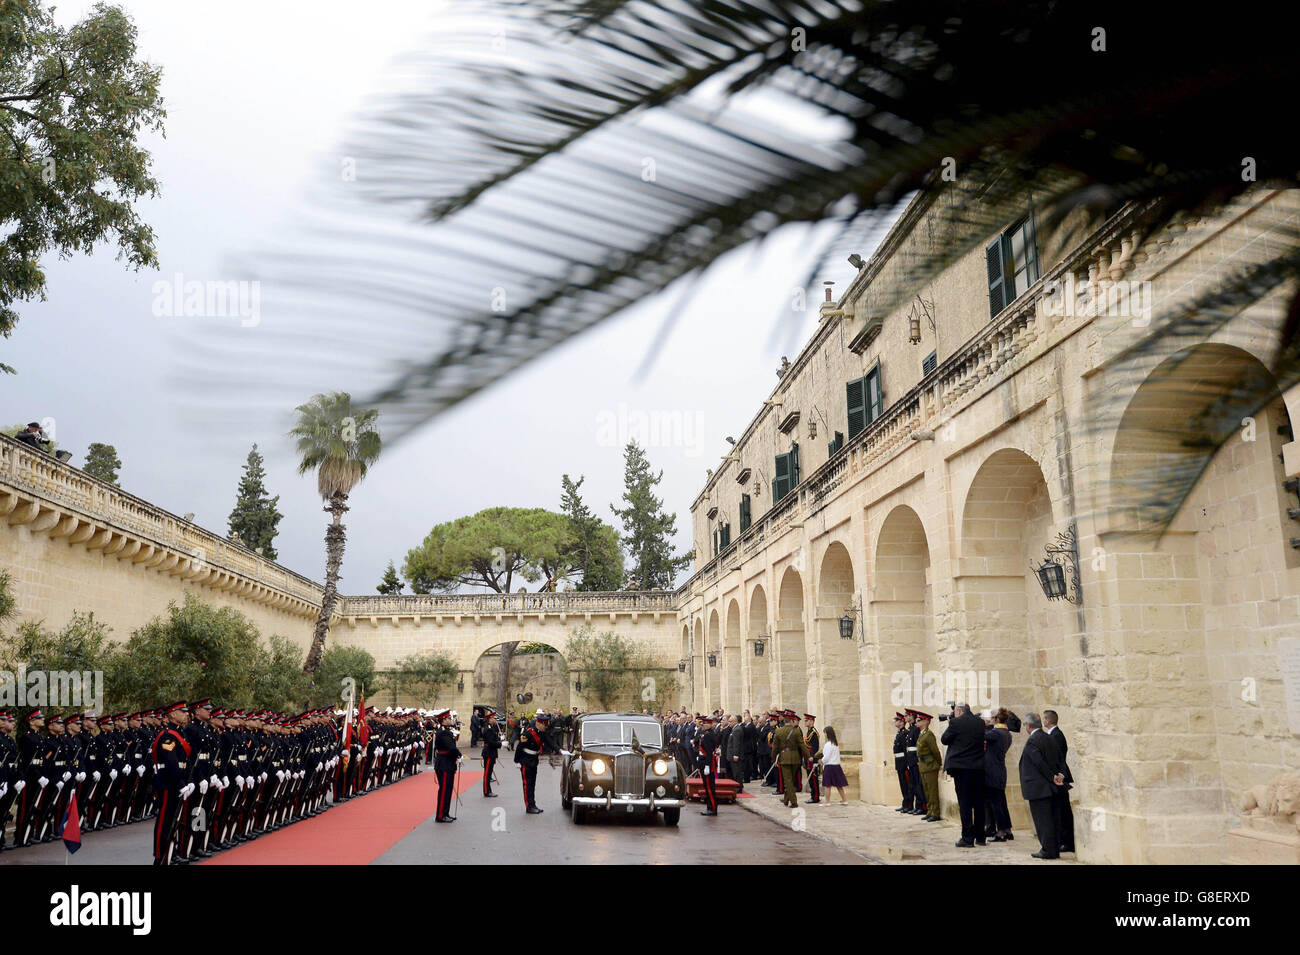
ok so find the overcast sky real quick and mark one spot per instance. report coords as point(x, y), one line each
point(256, 94)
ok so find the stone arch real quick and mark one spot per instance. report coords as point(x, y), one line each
point(1008, 648)
point(1202, 581)
point(685, 658)
point(544, 675)
point(712, 682)
point(758, 685)
point(900, 618)
point(729, 665)
point(791, 660)
point(697, 667)
point(835, 662)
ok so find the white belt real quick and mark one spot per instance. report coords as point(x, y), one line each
point(531, 752)
point(911, 749)
point(898, 755)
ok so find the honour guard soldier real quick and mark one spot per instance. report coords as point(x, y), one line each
point(913, 767)
point(61, 778)
point(930, 762)
point(814, 741)
point(491, 735)
point(900, 761)
point(446, 756)
point(38, 762)
point(171, 755)
point(707, 764)
point(10, 770)
point(532, 743)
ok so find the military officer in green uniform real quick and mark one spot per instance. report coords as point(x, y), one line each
point(791, 750)
point(930, 761)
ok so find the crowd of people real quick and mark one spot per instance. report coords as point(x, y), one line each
point(975, 759)
point(210, 778)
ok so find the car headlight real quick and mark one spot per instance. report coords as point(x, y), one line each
point(660, 767)
point(598, 767)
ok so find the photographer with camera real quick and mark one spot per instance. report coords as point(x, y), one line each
point(34, 436)
point(964, 762)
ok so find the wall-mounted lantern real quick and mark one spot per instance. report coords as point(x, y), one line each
point(852, 615)
point(758, 647)
point(713, 659)
point(681, 666)
point(1058, 575)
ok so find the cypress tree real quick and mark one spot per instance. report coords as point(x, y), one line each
point(255, 518)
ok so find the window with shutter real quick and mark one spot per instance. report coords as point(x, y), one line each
point(836, 443)
point(929, 363)
point(781, 480)
point(794, 466)
point(856, 394)
point(875, 394)
point(724, 537)
point(997, 276)
point(715, 542)
point(744, 513)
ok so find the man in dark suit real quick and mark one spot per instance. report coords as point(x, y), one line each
point(1061, 810)
point(964, 762)
point(1040, 780)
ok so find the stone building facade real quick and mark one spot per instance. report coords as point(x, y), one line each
point(942, 448)
point(939, 458)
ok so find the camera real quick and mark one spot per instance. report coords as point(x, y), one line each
point(952, 711)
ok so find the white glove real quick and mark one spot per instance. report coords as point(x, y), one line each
point(97, 775)
point(214, 779)
point(239, 781)
point(4, 788)
point(225, 782)
point(67, 776)
point(20, 785)
point(186, 790)
point(705, 771)
point(81, 777)
point(112, 774)
point(263, 777)
point(279, 774)
point(43, 781)
point(59, 785)
point(140, 769)
point(203, 787)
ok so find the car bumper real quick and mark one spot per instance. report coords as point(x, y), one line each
point(612, 802)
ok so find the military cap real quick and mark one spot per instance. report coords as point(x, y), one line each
point(173, 707)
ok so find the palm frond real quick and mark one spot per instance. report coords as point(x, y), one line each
point(502, 204)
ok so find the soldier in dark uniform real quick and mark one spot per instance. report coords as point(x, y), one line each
point(171, 754)
point(900, 761)
point(708, 766)
point(48, 824)
point(196, 814)
point(532, 743)
point(814, 741)
point(10, 770)
point(491, 735)
point(914, 766)
point(37, 752)
point(446, 758)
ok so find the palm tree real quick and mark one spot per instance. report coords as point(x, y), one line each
point(340, 443)
point(614, 147)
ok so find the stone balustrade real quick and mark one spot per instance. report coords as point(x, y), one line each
point(571, 602)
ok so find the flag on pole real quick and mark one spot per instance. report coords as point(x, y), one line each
point(347, 723)
point(363, 728)
point(70, 826)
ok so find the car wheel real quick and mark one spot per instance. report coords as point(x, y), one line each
point(672, 816)
point(579, 814)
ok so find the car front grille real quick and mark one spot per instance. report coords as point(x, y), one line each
point(629, 774)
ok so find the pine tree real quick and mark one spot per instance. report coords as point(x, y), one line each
point(391, 584)
point(647, 529)
point(102, 462)
point(255, 518)
point(594, 546)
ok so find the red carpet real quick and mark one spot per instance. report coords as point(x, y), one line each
point(354, 833)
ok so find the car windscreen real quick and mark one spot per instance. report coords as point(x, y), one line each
point(647, 735)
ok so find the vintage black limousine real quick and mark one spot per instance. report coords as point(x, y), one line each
point(619, 764)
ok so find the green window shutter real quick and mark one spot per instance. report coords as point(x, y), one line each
point(745, 518)
point(875, 394)
point(836, 443)
point(857, 406)
point(725, 540)
point(996, 258)
point(794, 466)
point(781, 481)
